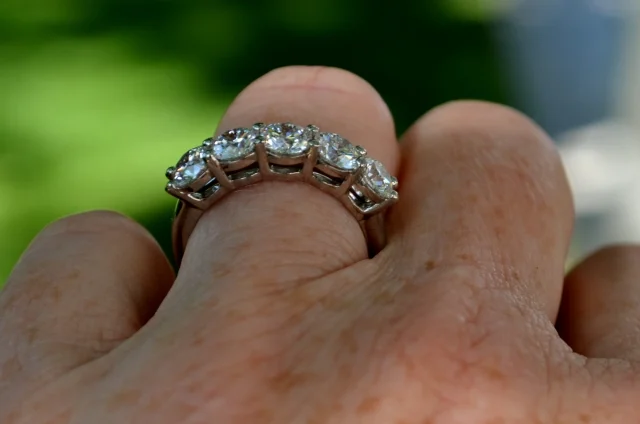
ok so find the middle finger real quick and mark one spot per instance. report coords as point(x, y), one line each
point(483, 189)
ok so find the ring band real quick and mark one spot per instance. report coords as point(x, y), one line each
point(280, 152)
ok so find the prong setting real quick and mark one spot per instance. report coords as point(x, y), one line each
point(286, 152)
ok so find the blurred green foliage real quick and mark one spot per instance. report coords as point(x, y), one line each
point(98, 97)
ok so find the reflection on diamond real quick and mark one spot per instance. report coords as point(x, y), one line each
point(378, 179)
point(286, 139)
point(190, 167)
point(234, 144)
point(338, 152)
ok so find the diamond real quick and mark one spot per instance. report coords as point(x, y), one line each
point(287, 139)
point(376, 177)
point(189, 168)
point(338, 152)
point(234, 144)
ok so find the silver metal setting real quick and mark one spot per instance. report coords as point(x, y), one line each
point(366, 190)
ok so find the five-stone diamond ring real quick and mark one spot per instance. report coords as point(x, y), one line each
point(286, 152)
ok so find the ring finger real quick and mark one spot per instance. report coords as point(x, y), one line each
point(284, 233)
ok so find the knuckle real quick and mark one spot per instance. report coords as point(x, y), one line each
point(498, 147)
point(487, 125)
point(88, 220)
point(101, 222)
point(313, 77)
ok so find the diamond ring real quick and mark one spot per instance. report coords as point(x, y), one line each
point(281, 152)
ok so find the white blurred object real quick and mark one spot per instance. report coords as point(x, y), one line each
point(603, 167)
point(603, 163)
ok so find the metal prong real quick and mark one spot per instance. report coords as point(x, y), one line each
point(258, 126)
point(263, 159)
point(353, 207)
point(208, 142)
point(346, 185)
point(394, 182)
point(361, 150)
point(315, 135)
point(310, 163)
point(373, 209)
point(197, 201)
point(315, 141)
point(216, 170)
point(380, 206)
point(170, 172)
point(179, 193)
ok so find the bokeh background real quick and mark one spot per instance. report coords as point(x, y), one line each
point(98, 97)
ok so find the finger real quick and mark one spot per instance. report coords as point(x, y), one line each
point(85, 284)
point(288, 232)
point(483, 188)
point(600, 310)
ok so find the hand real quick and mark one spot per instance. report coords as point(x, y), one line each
point(277, 315)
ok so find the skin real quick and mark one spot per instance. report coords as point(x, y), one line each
point(277, 315)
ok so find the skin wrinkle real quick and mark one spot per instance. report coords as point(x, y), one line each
point(227, 342)
point(71, 353)
point(605, 392)
point(555, 365)
point(295, 289)
point(434, 421)
point(376, 344)
point(343, 333)
point(324, 241)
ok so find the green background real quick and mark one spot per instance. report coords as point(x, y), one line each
point(98, 97)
